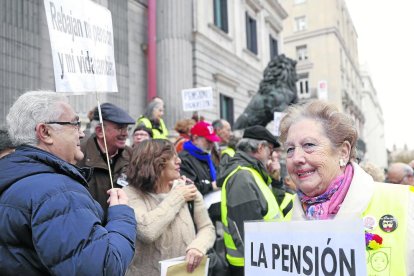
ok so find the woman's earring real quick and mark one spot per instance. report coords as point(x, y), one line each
point(341, 163)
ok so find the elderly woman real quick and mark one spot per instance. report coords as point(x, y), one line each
point(160, 199)
point(320, 146)
point(152, 119)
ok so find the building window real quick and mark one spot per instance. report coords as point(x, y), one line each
point(300, 23)
point(303, 86)
point(273, 47)
point(220, 15)
point(226, 108)
point(302, 52)
point(251, 34)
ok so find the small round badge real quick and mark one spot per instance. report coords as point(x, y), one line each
point(388, 223)
point(369, 222)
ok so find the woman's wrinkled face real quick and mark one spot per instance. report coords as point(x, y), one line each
point(311, 160)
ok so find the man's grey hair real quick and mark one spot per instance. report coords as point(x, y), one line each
point(30, 109)
point(249, 145)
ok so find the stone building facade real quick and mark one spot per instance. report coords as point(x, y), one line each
point(320, 35)
point(219, 43)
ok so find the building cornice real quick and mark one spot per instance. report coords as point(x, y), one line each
point(278, 9)
point(255, 5)
point(219, 77)
point(274, 23)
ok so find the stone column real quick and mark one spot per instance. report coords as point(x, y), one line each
point(174, 55)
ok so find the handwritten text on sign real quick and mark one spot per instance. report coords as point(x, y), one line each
point(81, 39)
point(328, 247)
point(197, 98)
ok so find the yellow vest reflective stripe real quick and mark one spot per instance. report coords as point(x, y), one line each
point(231, 152)
point(235, 257)
point(389, 199)
point(156, 134)
point(286, 206)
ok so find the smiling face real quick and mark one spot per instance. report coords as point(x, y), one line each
point(66, 138)
point(115, 134)
point(312, 161)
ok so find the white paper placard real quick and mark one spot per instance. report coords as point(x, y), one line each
point(197, 98)
point(305, 248)
point(81, 38)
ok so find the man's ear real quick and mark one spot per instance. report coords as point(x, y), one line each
point(43, 134)
point(98, 131)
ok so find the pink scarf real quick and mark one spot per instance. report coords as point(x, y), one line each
point(328, 203)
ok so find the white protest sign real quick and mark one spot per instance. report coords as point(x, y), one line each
point(318, 247)
point(197, 98)
point(81, 39)
point(277, 117)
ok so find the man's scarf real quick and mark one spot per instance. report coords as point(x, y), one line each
point(201, 155)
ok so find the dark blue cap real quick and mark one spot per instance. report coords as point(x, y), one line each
point(259, 132)
point(111, 112)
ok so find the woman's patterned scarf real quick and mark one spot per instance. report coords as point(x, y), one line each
point(328, 203)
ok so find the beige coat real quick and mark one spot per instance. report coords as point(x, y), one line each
point(166, 229)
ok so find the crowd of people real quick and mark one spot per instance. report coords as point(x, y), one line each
point(128, 195)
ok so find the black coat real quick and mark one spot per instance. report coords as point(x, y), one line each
point(199, 172)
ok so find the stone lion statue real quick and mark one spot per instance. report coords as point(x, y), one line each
point(277, 90)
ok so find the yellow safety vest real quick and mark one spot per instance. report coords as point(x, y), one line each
point(156, 133)
point(286, 207)
point(231, 152)
point(388, 205)
point(235, 257)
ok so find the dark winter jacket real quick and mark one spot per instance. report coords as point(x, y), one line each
point(245, 201)
point(100, 182)
point(50, 224)
point(199, 172)
point(196, 170)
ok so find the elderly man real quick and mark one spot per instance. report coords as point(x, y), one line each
point(400, 173)
point(196, 162)
point(223, 130)
point(50, 224)
point(246, 191)
point(115, 125)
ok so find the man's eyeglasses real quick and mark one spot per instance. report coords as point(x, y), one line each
point(76, 124)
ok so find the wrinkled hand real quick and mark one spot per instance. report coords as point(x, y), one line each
point(193, 258)
point(117, 196)
point(188, 191)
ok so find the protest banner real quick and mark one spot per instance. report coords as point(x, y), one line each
point(318, 247)
point(197, 98)
point(277, 117)
point(81, 39)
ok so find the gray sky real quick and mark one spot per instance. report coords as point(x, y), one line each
point(383, 29)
